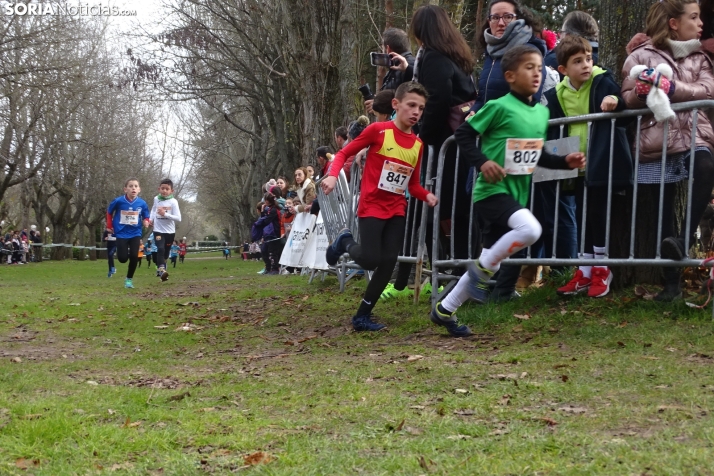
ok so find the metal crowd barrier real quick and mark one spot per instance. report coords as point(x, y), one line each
point(440, 264)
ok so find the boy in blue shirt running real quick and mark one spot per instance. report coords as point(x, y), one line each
point(125, 217)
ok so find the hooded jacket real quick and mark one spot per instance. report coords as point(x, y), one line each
point(693, 80)
point(602, 84)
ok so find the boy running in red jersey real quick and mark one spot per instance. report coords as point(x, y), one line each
point(393, 165)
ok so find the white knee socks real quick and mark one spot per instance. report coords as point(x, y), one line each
point(525, 230)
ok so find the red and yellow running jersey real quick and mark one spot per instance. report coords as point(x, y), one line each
point(393, 165)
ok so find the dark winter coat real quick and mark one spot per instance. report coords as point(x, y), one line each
point(395, 77)
point(448, 86)
point(269, 222)
point(492, 83)
point(598, 157)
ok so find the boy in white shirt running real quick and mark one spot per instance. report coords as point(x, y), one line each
point(164, 215)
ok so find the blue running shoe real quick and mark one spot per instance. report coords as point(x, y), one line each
point(128, 284)
point(478, 282)
point(365, 323)
point(450, 322)
point(114, 271)
point(335, 250)
point(109, 274)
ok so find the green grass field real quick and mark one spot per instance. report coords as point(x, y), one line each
point(220, 370)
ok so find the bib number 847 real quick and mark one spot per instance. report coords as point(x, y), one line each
point(396, 178)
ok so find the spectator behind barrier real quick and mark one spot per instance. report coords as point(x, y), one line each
point(589, 89)
point(576, 23)
point(671, 36)
point(395, 43)
point(443, 66)
point(304, 189)
point(354, 131)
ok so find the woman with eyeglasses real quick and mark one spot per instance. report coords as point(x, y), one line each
point(508, 24)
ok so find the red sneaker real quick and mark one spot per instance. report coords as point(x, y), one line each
point(578, 284)
point(601, 279)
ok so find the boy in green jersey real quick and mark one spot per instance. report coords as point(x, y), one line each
point(512, 130)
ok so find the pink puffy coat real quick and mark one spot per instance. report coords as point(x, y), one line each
point(693, 79)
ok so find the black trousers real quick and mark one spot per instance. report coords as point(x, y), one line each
point(111, 248)
point(163, 246)
point(380, 243)
point(128, 250)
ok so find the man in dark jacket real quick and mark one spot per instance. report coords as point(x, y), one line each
point(396, 41)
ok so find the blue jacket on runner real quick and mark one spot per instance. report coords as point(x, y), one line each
point(128, 216)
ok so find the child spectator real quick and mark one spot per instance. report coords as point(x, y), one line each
point(226, 250)
point(269, 224)
point(393, 165)
point(182, 250)
point(512, 129)
point(282, 182)
point(288, 217)
point(173, 254)
point(147, 253)
point(16, 249)
point(671, 36)
point(589, 89)
point(382, 105)
point(246, 251)
point(125, 216)
point(164, 215)
point(141, 253)
point(354, 131)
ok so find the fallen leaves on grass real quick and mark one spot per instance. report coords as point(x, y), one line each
point(564, 378)
point(391, 428)
point(121, 466)
point(546, 420)
point(131, 424)
point(258, 457)
point(190, 303)
point(32, 416)
point(161, 327)
point(425, 464)
point(414, 358)
point(458, 437)
point(16, 360)
point(644, 293)
point(461, 391)
point(523, 317)
point(505, 400)
point(179, 397)
point(573, 409)
point(663, 408)
point(188, 327)
point(499, 432)
point(24, 463)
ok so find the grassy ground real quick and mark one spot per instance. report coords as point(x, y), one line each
point(269, 379)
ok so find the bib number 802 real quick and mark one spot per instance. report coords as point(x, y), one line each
point(526, 156)
point(396, 178)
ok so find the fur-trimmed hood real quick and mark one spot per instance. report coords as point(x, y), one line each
point(640, 39)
